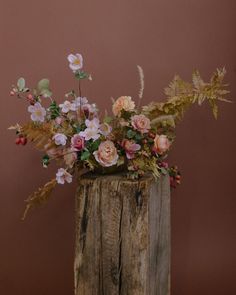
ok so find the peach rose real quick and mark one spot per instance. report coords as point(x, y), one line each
point(140, 123)
point(123, 103)
point(161, 144)
point(106, 155)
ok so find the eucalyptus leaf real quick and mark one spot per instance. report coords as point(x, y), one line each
point(21, 84)
point(43, 84)
point(130, 133)
point(46, 93)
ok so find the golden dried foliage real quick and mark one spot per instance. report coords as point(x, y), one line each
point(39, 197)
point(181, 95)
point(38, 134)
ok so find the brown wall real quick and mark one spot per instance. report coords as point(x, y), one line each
point(165, 37)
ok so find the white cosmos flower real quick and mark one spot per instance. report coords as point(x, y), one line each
point(63, 176)
point(79, 101)
point(75, 61)
point(60, 139)
point(66, 106)
point(38, 113)
point(94, 123)
point(90, 133)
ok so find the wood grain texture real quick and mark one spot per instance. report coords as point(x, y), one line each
point(122, 236)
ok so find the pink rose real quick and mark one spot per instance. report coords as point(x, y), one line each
point(161, 144)
point(106, 155)
point(77, 142)
point(140, 123)
point(130, 148)
point(123, 103)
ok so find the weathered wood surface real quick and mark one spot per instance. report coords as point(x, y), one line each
point(122, 236)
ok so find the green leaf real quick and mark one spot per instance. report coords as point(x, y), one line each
point(85, 155)
point(164, 171)
point(138, 136)
point(46, 92)
point(43, 84)
point(45, 160)
point(54, 110)
point(21, 84)
point(94, 145)
point(81, 75)
point(107, 119)
point(131, 133)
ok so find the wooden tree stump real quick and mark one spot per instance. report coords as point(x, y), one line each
point(122, 236)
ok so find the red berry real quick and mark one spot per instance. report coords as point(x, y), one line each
point(23, 140)
point(144, 141)
point(18, 140)
point(177, 177)
point(12, 93)
point(151, 135)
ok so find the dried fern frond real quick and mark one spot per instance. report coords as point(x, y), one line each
point(168, 119)
point(39, 197)
point(141, 80)
point(16, 127)
point(39, 135)
point(181, 94)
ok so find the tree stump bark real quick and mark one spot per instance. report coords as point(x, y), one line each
point(122, 236)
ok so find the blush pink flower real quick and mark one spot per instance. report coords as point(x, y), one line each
point(140, 123)
point(106, 155)
point(63, 176)
point(60, 139)
point(38, 113)
point(94, 123)
point(161, 144)
point(123, 103)
point(75, 61)
point(130, 148)
point(77, 142)
point(105, 129)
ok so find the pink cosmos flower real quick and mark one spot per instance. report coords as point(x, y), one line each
point(77, 142)
point(63, 176)
point(92, 130)
point(38, 113)
point(123, 103)
point(90, 133)
point(60, 139)
point(106, 155)
point(161, 144)
point(94, 123)
point(67, 106)
point(75, 61)
point(130, 148)
point(140, 123)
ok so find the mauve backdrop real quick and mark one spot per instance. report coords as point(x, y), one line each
point(164, 37)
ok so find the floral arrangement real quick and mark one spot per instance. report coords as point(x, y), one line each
point(135, 139)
